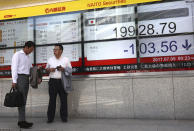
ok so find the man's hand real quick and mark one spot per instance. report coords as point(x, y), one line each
point(51, 69)
point(60, 68)
point(39, 67)
point(14, 85)
point(39, 81)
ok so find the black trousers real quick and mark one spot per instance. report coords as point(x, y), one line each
point(55, 87)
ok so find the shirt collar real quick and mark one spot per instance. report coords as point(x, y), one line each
point(59, 57)
point(22, 51)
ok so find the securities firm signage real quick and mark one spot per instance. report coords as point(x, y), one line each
point(68, 6)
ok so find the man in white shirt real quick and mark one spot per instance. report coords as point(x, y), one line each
point(20, 69)
point(55, 66)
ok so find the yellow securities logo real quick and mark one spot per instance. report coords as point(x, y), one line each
point(104, 3)
point(55, 9)
point(64, 7)
point(9, 16)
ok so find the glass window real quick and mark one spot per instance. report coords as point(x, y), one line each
point(58, 29)
point(165, 18)
point(15, 32)
point(109, 23)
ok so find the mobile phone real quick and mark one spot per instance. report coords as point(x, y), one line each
point(58, 67)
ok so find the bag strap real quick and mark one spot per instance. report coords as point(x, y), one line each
point(13, 89)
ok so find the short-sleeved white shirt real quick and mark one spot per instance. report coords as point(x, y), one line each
point(53, 62)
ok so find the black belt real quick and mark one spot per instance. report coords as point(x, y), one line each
point(24, 75)
point(55, 79)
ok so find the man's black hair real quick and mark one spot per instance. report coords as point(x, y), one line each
point(29, 44)
point(60, 46)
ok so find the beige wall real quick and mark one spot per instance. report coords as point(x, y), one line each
point(162, 95)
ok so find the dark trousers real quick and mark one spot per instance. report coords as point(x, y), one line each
point(55, 87)
point(23, 87)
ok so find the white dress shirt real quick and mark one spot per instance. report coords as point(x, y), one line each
point(53, 62)
point(21, 64)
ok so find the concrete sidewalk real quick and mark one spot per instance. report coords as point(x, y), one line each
point(9, 124)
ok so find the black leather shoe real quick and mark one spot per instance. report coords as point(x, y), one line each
point(49, 121)
point(23, 124)
point(65, 120)
point(28, 123)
